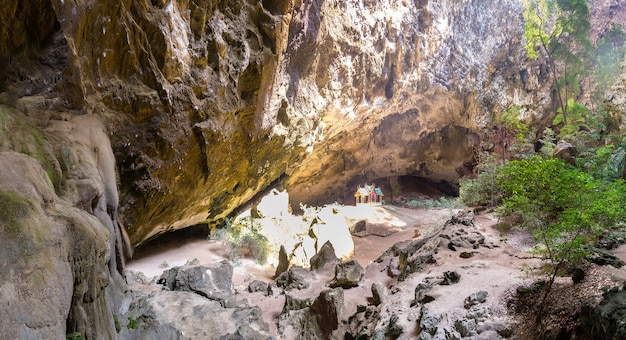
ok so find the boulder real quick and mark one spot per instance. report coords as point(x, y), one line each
point(379, 293)
point(213, 281)
point(416, 255)
point(317, 321)
point(461, 236)
point(294, 278)
point(293, 302)
point(465, 327)
point(347, 275)
point(428, 322)
point(272, 289)
point(450, 277)
point(459, 232)
point(359, 227)
point(327, 310)
point(565, 151)
point(464, 217)
point(394, 329)
point(257, 286)
point(602, 258)
point(135, 277)
point(578, 275)
point(606, 321)
point(283, 262)
point(326, 255)
point(420, 293)
point(610, 239)
point(152, 316)
point(475, 299)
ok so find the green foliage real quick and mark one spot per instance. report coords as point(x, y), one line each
point(608, 57)
point(74, 336)
point(442, 202)
point(558, 30)
point(482, 190)
point(132, 323)
point(605, 162)
point(547, 143)
point(514, 135)
point(510, 119)
point(243, 239)
point(565, 209)
point(579, 117)
point(118, 327)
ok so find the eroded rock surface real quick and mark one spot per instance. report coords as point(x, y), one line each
point(54, 276)
point(208, 104)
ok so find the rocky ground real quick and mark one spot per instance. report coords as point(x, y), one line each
point(444, 274)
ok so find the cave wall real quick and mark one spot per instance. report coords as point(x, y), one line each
point(148, 116)
point(406, 86)
point(208, 103)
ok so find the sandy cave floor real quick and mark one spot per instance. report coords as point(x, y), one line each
point(497, 270)
point(176, 252)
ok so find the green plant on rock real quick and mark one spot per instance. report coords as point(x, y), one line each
point(116, 320)
point(605, 162)
point(17, 134)
point(132, 323)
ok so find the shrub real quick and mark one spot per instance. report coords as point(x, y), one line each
point(243, 239)
point(481, 191)
point(132, 323)
point(74, 336)
point(565, 209)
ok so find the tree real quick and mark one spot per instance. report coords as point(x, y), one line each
point(608, 57)
point(558, 30)
point(565, 209)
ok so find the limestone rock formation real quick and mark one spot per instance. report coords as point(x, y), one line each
point(324, 257)
point(347, 275)
point(54, 277)
point(150, 316)
point(317, 321)
point(212, 281)
point(607, 318)
point(191, 108)
point(209, 103)
point(294, 278)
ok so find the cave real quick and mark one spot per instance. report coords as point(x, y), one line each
point(407, 187)
point(144, 125)
point(172, 240)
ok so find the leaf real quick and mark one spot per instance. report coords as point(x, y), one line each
point(558, 119)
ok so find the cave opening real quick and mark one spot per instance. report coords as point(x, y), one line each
point(161, 243)
point(398, 189)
